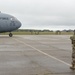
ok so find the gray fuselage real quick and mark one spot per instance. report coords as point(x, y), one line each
point(8, 23)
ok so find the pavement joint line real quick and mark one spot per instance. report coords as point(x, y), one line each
point(43, 52)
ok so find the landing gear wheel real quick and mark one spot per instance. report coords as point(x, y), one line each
point(10, 34)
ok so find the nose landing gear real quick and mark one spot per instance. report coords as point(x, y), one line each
point(10, 34)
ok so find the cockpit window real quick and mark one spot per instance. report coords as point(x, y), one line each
point(13, 18)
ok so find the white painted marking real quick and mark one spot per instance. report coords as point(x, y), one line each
point(42, 52)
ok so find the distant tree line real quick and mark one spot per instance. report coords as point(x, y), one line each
point(45, 30)
point(32, 30)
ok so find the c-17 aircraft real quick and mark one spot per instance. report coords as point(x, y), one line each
point(8, 23)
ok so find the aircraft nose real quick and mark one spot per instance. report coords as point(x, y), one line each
point(19, 24)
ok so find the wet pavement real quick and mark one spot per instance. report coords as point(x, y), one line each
point(35, 55)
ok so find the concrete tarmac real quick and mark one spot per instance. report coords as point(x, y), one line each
point(35, 55)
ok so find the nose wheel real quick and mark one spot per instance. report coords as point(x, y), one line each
point(10, 34)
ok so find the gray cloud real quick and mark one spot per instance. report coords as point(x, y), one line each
point(41, 13)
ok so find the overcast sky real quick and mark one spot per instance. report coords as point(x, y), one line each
point(41, 14)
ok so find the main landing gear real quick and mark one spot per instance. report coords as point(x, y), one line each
point(10, 34)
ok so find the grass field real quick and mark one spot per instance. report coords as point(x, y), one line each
point(38, 33)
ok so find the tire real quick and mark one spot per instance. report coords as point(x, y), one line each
point(10, 35)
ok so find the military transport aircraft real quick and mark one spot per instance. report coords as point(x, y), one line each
point(8, 23)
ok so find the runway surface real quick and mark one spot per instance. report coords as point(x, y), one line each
point(35, 55)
